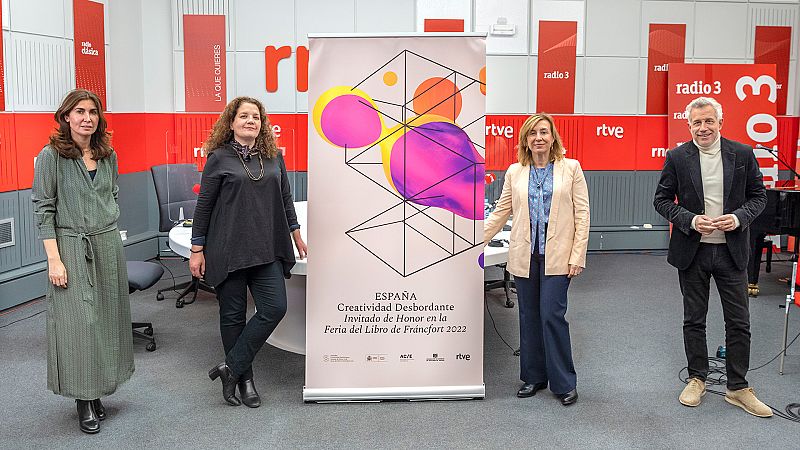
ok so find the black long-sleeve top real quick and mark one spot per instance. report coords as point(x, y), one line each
point(246, 223)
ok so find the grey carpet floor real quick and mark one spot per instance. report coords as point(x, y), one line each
point(625, 316)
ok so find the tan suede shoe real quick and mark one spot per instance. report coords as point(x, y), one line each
point(746, 399)
point(693, 392)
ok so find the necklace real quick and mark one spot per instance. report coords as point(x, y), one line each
point(540, 181)
point(246, 169)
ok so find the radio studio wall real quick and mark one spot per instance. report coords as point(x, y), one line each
point(605, 113)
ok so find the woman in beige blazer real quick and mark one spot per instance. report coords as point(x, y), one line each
point(549, 200)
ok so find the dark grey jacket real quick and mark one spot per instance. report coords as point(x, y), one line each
point(743, 195)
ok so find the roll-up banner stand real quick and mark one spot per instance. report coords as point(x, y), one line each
point(395, 217)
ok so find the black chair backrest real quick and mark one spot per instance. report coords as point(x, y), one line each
point(174, 190)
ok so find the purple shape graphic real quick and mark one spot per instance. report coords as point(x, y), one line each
point(444, 169)
point(480, 260)
point(350, 121)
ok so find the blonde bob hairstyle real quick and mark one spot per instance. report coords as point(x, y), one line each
point(524, 155)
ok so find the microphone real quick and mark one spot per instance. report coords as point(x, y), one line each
point(774, 152)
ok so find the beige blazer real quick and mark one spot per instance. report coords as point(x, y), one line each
point(568, 225)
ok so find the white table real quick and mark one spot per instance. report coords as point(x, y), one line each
point(498, 256)
point(290, 334)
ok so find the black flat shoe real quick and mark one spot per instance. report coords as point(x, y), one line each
point(228, 382)
point(250, 397)
point(99, 409)
point(529, 390)
point(87, 418)
point(569, 398)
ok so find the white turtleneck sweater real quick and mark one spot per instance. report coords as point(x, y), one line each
point(713, 188)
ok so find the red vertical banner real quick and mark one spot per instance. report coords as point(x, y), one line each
point(748, 94)
point(204, 62)
point(667, 44)
point(555, 85)
point(773, 46)
point(90, 47)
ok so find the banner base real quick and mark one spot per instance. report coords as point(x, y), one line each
point(393, 393)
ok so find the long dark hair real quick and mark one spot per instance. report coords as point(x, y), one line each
point(221, 133)
point(61, 139)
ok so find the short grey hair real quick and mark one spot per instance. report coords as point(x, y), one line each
point(701, 102)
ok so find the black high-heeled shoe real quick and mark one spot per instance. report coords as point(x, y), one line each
point(229, 381)
point(250, 397)
point(99, 409)
point(87, 418)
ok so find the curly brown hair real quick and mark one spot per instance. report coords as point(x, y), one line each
point(221, 133)
point(61, 139)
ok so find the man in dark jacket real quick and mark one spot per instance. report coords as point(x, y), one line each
point(719, 192)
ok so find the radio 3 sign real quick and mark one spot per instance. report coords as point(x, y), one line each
point(748, 94)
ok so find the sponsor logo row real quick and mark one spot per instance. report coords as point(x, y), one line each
point(404, 357)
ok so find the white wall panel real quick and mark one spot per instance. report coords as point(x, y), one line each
point(156, 37)
point(179, 83)
point(560, 10)
point(260, 23)
point(773, 15)
point(720, 30)
point(385, 16)
point(444, 9)
point(5, 5)
point(7, 72)
point(27, 17)
point(489, 12)
point(533, 67)
point(42, 71)
point(207, 7)
point(667, 12)
point(613, 27)
point(580, 85)
point(507, 84)
point(324, 16)
point(230, 75)
point(793, 92)
point(611, 85)
point(125, 66)
point(250, 81)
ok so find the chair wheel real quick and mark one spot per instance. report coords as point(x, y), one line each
point(509, 303)
point(151, 347)
point(148, 331)
point(753, 290)
point(179, 304)
point(159, 296)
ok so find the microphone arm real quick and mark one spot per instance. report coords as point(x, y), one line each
point(777, 156)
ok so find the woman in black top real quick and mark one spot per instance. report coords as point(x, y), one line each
point(240, 238)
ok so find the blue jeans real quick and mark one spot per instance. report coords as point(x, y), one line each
point(545, 354)
point(243, 340)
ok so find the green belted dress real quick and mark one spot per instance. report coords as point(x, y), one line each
point(89, 339)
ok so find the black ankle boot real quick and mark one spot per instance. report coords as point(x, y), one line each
point(99, 409)
point(87, 418)
point(250, 397)
point(228, 382)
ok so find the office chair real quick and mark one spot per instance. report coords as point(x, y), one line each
point(174, 185)
point(141, 276)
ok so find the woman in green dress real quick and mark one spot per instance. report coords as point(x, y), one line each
point(89, 339)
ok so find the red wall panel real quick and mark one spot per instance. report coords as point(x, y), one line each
point(31, 134)
point(204, 62)
point(652, 142)
point(444, 25)
point(609, 143)
point(667, 44)
point(8, 154)
point(773, 46)
point(555, 82)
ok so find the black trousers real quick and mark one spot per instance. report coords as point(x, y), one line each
point(545, 351)
point(714, 260)
point(243, 339)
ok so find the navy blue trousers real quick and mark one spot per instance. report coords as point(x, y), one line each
point(545, 351)
point(243, 339)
